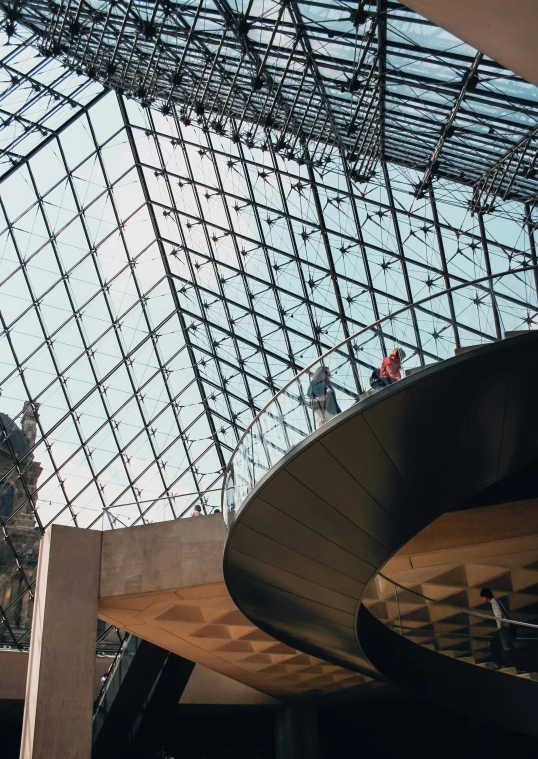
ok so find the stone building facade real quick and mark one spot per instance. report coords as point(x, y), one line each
point(19, 473)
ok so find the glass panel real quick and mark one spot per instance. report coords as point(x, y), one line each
point(166, 270)
point(371, 361)
point(470, 636)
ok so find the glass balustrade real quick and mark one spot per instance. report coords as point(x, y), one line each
point(467, 315)
point(460, 633)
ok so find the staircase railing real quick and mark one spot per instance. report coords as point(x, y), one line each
point(461, 633)
point(466, 315)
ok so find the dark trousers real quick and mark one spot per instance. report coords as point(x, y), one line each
point(502, 647)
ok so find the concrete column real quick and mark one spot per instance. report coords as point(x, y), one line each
point(59, 689)
point(296, 732)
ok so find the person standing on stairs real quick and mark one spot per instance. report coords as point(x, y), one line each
point(390, 368)
point(322, 396)
point(502, 641)
point(389, 371)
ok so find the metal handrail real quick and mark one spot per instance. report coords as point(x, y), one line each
point(456, 608)
point(417, 631)
point(362, 331)
point(111, 670)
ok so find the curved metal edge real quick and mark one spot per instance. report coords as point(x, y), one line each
point(355, 410)
point(314, 437)
point(470, 612)
point(466, 688)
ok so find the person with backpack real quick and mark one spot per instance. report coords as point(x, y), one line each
point(502, 641)
point(389, 371)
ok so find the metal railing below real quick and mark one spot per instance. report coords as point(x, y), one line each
point(461, 633)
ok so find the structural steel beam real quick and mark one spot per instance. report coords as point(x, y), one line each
point(469, 82)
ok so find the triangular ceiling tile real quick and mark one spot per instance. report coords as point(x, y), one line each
point(525, 580)
point(179, 613)
point(258, 635)
point(454, 577)
point(286, 679)
point(258, 659)
point(237, 646)
point(221, 632)
point(484, 575)
point(412, 577)
point(300, 659)
point(280, 648)
point(275, 669)
point(437, 592)
point(234, 618)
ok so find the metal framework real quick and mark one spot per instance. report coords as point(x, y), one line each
point(367, 80)
point(510, 177)
point(199, 199)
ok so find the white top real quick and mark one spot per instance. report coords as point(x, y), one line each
point(500, 613)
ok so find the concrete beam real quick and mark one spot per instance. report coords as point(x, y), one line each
point(209, 688)
point(59, 692)
point(164, 583)
point(160, 557)
point(506, 31)
point(14, 667)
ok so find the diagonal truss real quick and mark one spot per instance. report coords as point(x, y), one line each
point(37, 96)
point(368, 79)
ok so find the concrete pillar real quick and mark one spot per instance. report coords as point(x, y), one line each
point(296, 732)
point(59, 689)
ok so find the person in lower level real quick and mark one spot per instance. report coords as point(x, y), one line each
point(502, 641)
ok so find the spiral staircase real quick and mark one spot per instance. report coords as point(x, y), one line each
point(311, 534)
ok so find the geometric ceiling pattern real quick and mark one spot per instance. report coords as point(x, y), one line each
point(426, 613)
point(203, 624)
point(198, 200)
point(428, 603)
point(370, 81)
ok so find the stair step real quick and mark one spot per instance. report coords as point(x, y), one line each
point(415, 369)
point(509, 671)
point(467, 348)
point(528, 675)
point(506, 336)
point(515, 333)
